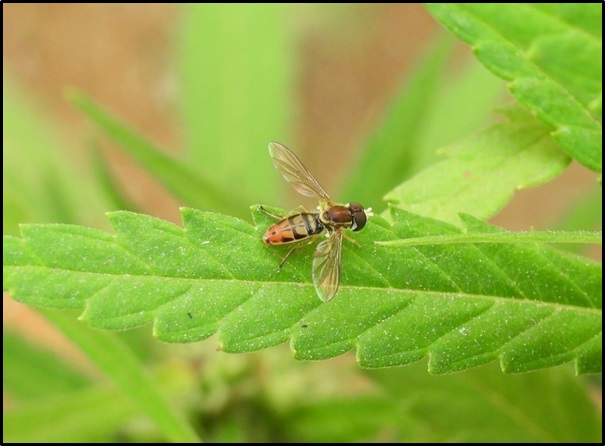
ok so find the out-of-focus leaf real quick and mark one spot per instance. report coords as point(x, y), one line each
point(587, 212)
point(422, 117)
point(361, 419)
point(87, 416)
point(479, 406)
point(407, 405)
point(478, 91)
point(185, 183)
point(41, 182)
point(31, 372)
point(236, 64)
point(552, 56)
point(115, 359)
point(483, 171)
point(527, 306)
point(389, 154)
point(117, 198)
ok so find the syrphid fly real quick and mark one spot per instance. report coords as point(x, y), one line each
point(306, 226)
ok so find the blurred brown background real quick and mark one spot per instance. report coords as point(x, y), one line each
point(122, 54)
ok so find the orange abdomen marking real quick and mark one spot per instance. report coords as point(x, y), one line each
point(293, 228)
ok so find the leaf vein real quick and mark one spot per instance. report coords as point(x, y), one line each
point(441, 271)
point(564, 23)
point(357, 288)
point(500, 350)
point(538, 70)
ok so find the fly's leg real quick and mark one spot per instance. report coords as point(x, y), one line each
point(286, 257)
point(301, 245)
point(352, 240)
point(298, 210)
point(270, 214)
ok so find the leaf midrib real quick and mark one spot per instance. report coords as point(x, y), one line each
point(445, 294)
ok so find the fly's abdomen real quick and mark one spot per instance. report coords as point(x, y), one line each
point(293, 228)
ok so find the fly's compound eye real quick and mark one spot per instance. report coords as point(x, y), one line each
point(359, 216)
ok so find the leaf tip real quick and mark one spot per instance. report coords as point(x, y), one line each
point(186, 211)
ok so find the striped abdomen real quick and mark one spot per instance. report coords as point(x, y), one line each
point(293, 228)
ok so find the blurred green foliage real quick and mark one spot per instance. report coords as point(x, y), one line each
point(237, 65)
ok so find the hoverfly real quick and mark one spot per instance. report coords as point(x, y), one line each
point(331, 217)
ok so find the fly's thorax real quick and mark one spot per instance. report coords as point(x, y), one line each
point(352, 216)
point(339, 215)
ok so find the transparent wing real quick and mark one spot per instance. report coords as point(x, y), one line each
point(295, 173)
point(326, 266)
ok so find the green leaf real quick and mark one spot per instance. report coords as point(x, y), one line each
point(552, 57)
point(478, 181)
point(390, 152)
point(112, 190)
point(477, 406)
point(363, 419)
point(501, 237)
point(528, 306)
point(480, 92)
point(114, 358)
point(586, 212)
point(236, 64)
point(35, 373)
point(423, 116)
point(405, 404)
point(184, 182)
point(42, 181)
point(91, 415)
